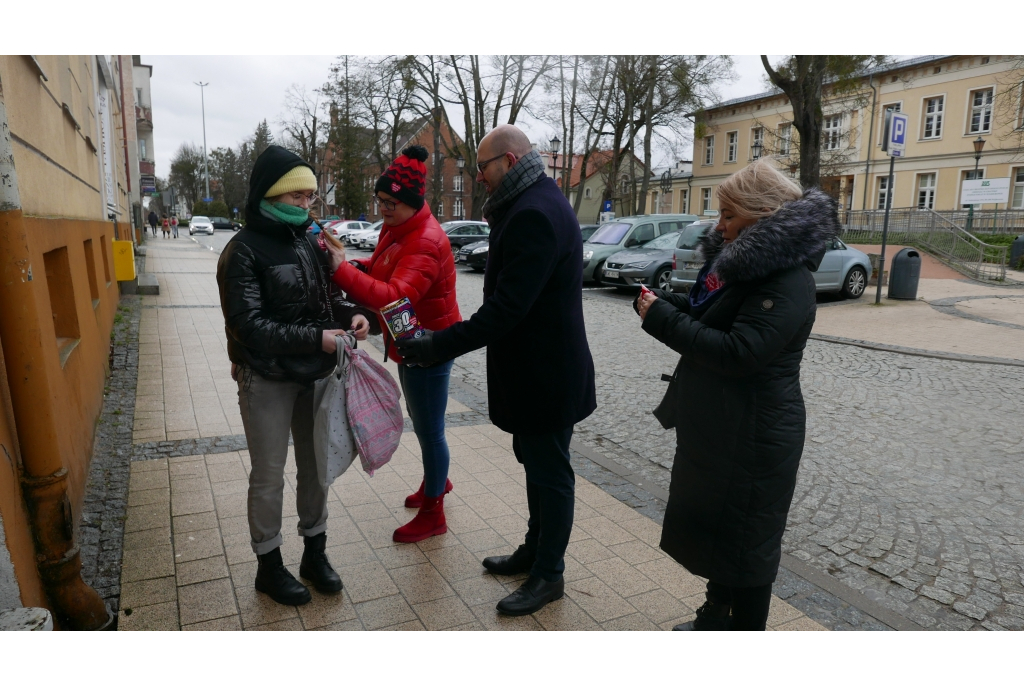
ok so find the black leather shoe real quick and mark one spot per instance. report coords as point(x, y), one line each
point(273, 579)
point(710, 616)
point(532, 595)
point(520, 561)
point(316, 568)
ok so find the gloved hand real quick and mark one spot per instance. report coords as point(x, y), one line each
point(418, 350)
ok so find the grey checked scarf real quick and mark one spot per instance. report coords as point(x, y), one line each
point(524, 174)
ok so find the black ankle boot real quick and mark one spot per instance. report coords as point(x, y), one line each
point(273, 579)
point(710, 616)
point(315, 566)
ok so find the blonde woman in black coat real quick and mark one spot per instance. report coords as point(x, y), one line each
point(735, 402)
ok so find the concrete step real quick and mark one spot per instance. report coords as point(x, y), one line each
point(148, 284)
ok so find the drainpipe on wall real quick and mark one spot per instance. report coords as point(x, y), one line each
point(871, 132)
point(44, 478)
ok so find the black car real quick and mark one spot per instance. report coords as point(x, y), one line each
point(464, 232)
point(474, 255)
point(221, 222)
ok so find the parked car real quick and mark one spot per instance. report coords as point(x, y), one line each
point(341, 228)
point(224, 223)
point(200, 224)
point(650, 264)
point(464, 232)
point(629, 231)
point(588, 230)
point(352, 237)
point(368, 238)
point(474, 255)
point(843, 269)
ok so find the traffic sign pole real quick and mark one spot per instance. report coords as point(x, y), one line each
point(885, 233)
point(894, 143)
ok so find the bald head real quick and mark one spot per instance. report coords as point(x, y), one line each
point(505, 138)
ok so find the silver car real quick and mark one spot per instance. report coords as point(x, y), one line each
point(200, 224)
point(843, 269)
point(624, 233)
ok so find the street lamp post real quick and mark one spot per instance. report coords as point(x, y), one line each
point(555, 144)
point(206, 168)
point(979, 145)
point(756, 150)
point(460, 162)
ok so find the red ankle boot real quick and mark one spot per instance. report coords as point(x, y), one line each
point(415, 500)
point(429, 521)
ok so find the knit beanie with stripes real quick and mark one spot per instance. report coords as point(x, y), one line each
point(406, 178)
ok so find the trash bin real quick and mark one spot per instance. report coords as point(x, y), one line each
point(1017, 253)
point(904, 274)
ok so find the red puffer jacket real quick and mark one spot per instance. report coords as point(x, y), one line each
point(412, 260)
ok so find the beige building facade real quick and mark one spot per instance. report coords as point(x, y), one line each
point(951, 101)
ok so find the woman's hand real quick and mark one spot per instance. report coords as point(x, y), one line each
point(645, 303)
point(360, 327)
point(337, 255)
point(328, 343)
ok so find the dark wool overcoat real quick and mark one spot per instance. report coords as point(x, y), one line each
point(540, 375)
point(739, 411)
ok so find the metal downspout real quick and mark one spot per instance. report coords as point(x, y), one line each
point(44, 481)
point(871, 132)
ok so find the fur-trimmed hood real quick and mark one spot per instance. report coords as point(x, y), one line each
point(795, 234)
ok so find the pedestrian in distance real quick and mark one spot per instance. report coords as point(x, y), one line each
point(174, 225)
point(413, 259)
point(735, 401)
point(281, 316)
point(540, 375)
point(165, 226)
point(153, 219)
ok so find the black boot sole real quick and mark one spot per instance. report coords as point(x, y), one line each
point(527, 610)
point(321, 587)
point(295, 601)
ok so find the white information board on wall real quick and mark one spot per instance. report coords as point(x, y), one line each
point(985, 191)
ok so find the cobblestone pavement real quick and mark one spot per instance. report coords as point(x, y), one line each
point(910, 487)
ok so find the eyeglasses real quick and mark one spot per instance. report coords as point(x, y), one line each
point(298, 197)
point(480, 166)
point(387, 204)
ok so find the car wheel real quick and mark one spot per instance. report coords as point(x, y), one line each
point(455, 250)
point(598, 270)
point(663, 280)
point(855, 283)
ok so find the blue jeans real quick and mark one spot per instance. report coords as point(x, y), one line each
point(426, 398)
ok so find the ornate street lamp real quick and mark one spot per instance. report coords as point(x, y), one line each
point(756, 150)
point(555, 144)
point(979, 145)
point(666, 186)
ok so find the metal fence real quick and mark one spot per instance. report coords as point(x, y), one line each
point(937, 233)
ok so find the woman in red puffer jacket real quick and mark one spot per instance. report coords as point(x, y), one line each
point(413, 259)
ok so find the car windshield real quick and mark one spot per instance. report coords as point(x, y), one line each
point(587, 232)
point(691, 234)
point(663, 242)
point(609, 234)
point(199, 218)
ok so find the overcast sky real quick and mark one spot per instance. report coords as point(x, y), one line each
point(245, 90)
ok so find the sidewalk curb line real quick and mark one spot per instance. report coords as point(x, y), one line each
point(916, 352)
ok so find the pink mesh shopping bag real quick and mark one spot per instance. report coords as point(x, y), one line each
point(372, 398)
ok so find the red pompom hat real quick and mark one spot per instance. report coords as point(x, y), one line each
point(406, 178)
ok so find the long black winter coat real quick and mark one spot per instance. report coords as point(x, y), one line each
point(540, 375)
point(275, 289)
point(739, 411)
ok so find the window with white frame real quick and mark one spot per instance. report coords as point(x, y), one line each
point(709, 150)
point(925, 191)
point(625, 186)
point(142, 148)
point(705, 205)
point(1018, 188)
point(981, 111)
point(883, 191)
point(654, 202)
point(440, 208)
point(832, 132)
point(588, 193)
point(457, 183)
point(732, 145)
point(756, 138)
point(933, 117)
point(457, 209)
point(973, 175)
point(785, 138)
point(684, 202)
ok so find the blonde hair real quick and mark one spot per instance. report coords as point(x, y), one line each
point(758, 190)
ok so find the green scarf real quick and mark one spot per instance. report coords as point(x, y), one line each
point(286, 214)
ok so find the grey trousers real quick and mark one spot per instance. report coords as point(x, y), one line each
point(269, 410)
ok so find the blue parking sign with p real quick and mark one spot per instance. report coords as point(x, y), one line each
point(896, 139)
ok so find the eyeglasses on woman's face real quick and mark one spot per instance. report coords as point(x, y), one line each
point(298, 197)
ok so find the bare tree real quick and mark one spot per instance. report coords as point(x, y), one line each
point(1011, 107)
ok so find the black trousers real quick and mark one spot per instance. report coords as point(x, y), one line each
point(551, 495)
point(749, 604)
